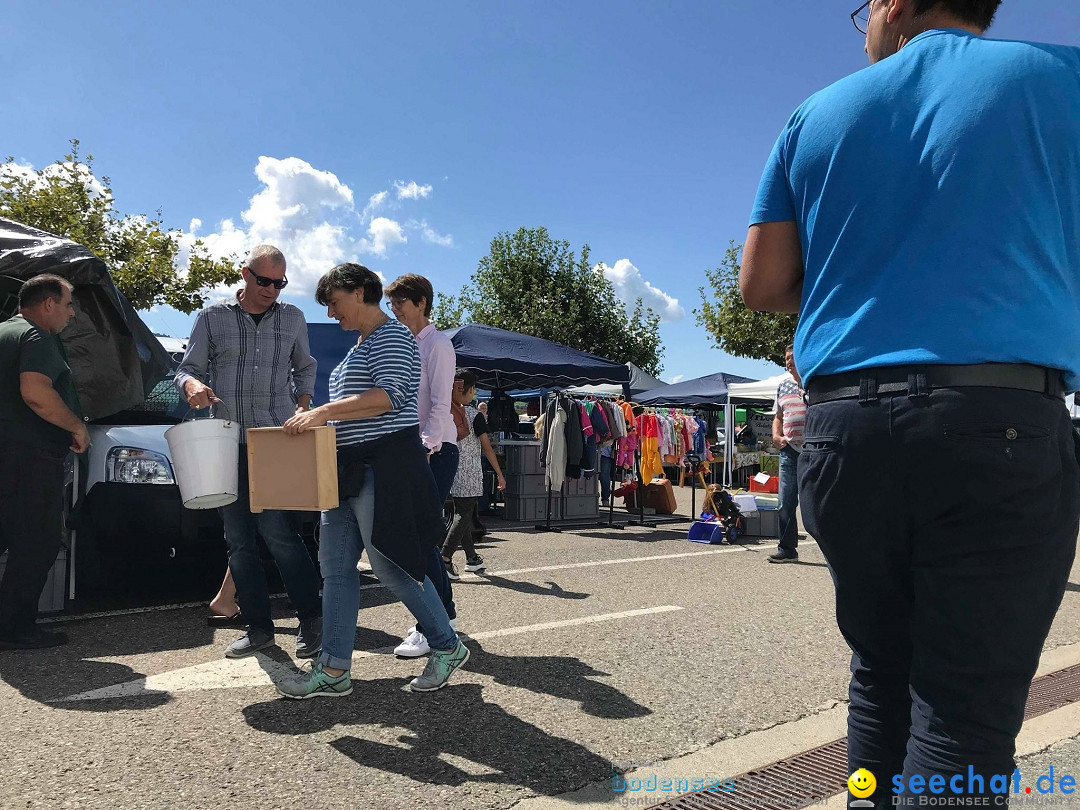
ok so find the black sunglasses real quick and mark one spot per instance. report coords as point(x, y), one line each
point(266, 281)
point(861, 17)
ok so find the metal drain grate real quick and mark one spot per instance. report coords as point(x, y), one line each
point(817, 774)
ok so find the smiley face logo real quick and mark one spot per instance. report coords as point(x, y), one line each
point(862, 783)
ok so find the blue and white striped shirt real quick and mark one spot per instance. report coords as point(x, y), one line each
point(258, 372)
point(386, 359)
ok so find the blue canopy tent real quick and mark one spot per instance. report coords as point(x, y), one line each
point(710, 391)
point(510, 360)
point(500, 359)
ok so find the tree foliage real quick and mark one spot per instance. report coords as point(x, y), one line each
point(140, 252)
point(537, 285)
point(731, 326)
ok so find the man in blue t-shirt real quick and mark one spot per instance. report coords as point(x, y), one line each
point(923, 217)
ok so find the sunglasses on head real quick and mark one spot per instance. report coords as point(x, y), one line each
point(266, 281)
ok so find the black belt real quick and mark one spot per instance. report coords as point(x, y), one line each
point(867, 384)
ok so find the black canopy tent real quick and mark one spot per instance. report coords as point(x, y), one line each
point(115, 359)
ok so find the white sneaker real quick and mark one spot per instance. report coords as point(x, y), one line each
point(414, 645)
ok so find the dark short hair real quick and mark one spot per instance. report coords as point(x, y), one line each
point(414, 288)
point(349, 277)
point(42, 288)
point(977, 13)
point(468, 378)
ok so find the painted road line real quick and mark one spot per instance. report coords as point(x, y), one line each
point(259, 670)
point(466, 577)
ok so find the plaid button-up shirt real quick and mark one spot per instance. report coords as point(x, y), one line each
point(258, 372)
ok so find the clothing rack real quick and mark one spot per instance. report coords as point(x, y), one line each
point(547, 525)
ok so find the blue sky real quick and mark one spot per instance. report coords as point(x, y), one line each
point(406, 135)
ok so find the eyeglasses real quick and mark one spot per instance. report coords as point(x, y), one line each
point(266, 281)
point(392, 304)
point(860, 17)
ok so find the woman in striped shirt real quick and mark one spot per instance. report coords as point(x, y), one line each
point(389, 501)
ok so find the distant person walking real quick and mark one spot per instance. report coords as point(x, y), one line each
point(469, 482)
point(787, 432)
point(39, 425)
point(410, 298)
point(251, 354)
point(923, 217)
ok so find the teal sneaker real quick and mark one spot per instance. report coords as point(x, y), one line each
point(441, 665)
point(314, 682)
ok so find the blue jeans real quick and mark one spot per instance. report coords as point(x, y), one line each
point(340, 547)
point(789, 499)
point(285, 545)
point(444, 466)
point(945, 594)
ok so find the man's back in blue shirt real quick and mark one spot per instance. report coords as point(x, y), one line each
point(937, 197)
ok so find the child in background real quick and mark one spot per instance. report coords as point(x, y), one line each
point(469, 482)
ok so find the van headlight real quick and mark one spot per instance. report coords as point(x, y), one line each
point(130, 465)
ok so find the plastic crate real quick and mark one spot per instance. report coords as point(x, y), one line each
point(522, 459)
point(535, 508)
point(772, 485)
point(525, 485)
point(763, 523)
point(574, 506)
point(581, 486)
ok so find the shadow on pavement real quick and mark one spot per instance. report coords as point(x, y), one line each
point(455, 721)
point(530, 588)
point(560, 676)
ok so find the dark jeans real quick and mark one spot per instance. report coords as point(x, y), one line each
point(31, 529)
point(949, 523)
point(285, 545)
point(605, 472)
point(444, 464)
point(789, 500)
point(461, 530)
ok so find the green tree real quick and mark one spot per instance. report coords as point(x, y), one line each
point(731, 326)
point(140, 252)
point(536, 285)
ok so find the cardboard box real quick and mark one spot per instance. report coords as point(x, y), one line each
point(297, 473)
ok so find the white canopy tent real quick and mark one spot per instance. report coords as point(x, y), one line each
point(761, 391)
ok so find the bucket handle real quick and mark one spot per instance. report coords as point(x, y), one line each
point(214, 401)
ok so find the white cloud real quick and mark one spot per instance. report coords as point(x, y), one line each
point(428, 234)
point(375, 202)
point(26, 171)
point(383, 233)
point(411, 190)
point(630, 285)
point(676, 378)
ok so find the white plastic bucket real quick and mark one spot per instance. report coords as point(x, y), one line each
point(205, 453)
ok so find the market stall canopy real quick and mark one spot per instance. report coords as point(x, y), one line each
point(640, 382)
point(760, 391)
point(115, 359)
point(502, 359)
point(710, 391)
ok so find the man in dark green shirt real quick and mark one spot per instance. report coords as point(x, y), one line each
point(39, 424)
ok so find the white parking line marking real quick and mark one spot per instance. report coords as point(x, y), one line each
point(259, 670)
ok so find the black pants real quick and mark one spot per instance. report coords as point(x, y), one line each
point(949, 523)
point(31, 529)
point(461, 530)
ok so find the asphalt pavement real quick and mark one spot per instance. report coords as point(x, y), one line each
point(593, 650)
